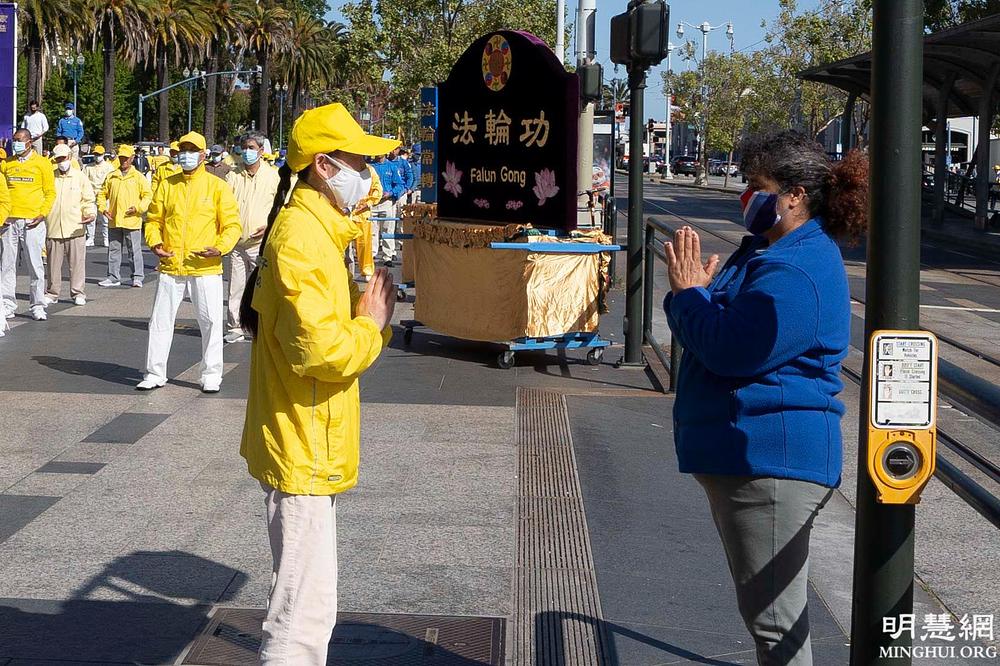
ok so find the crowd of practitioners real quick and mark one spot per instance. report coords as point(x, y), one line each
point(189, 203)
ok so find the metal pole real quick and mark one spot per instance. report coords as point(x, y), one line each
point(669, 175)
point(883, 545)
point(75, 109)
point(561, 30)
point(611, 209)
point(633, 285)
point(141, 100)
point(982, 183)
point(585, 51)
point(847, 125)
point(190, 94)
point(649, 266)
point(940, 156)
point(281, 120)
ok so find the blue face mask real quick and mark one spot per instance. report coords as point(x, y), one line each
point(19, 147)
point(188, 160)
point(250, 156)
point(760, 210)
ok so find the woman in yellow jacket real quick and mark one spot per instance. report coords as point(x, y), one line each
point(314, 335)
point(364, 245)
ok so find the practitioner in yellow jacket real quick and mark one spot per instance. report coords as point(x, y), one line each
point(192, 222)
point(365, 244)
point(314, 336)
point(166, 168)
point(123, 201)
point(32, 188)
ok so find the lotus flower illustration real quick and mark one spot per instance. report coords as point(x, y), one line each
point(452, 179)
point(482, 203)
point(514, 205)
point(545, 185)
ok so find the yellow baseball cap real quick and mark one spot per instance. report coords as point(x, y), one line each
point(329, 128)
point(98, 149)
point(126, 151)
point(174, 146)
point(194, 139)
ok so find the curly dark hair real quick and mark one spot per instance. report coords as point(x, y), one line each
point(837, 191)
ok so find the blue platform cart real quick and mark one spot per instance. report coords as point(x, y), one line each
point(589, 340)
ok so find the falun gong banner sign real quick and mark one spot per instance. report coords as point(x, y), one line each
point(8, 69)
point(507, 134)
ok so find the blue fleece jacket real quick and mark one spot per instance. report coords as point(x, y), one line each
point(405, 172)
point(760, 373)
point(388, 174)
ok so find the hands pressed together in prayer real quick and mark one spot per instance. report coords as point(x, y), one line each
point(684, 266)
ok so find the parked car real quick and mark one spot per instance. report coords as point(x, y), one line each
point(685, 165)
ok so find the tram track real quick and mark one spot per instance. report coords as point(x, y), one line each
point(958, 387)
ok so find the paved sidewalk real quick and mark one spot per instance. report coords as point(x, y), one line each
point(546, 495)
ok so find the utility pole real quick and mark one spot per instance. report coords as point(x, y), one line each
point(585, 53)
point(669, 174)
point(883, 543)
point(561, 30)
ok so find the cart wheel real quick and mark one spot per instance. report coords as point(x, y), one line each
point(408, 336)
point(401, 295)
point(506, 360)
point(594, 356)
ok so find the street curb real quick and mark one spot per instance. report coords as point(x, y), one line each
point(982, 247)
point(710, 188)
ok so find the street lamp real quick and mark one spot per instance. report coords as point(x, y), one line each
point(282, 91)
point(191, 75)
point(75, 66)
point(669, 175)
point(705, 28)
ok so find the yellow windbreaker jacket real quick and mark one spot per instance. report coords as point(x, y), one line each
point(189, 213)
point(74, 201)
point(164, 171)
point(31, 184)
point(122, 191)
point(303, 425)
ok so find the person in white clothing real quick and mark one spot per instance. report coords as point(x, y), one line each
point(254, 185)
point(37, 125)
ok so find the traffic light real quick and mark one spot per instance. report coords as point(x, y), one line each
point(639, 37)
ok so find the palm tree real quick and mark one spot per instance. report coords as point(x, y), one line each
point(46, 25)
point(266, 33)
point(118, 21)
point(227, 17)
point(310, 55)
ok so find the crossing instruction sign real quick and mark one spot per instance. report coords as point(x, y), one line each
point(904, 380)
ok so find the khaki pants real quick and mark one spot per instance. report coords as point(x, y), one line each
point(73, 249)
point(765, 525)
point(302, 604)
point(242, 261)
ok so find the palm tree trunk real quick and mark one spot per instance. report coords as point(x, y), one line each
point(211, 86)
point(34, 49)
point(109, 85)
point(264, 90)
point(162, 80)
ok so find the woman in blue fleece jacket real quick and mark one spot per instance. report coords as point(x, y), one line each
point(756, 419)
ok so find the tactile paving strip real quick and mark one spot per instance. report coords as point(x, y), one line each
point(557, 612)
point(232, 638)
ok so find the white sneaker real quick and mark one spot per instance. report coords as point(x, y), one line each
point(38, 314)
point(89, 243)
point(48, 300)
point(10, 315)
point(233, 336)
point(149, 384)
point(80, 299)
point(109, 283)
point(137, 282)
point(211, 387)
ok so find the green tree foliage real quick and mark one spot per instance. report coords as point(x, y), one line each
point(941, 14)
point(395, 47)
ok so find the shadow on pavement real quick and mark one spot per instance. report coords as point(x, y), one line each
point(158, 604)
point(109, 372)
point(552, 636)
point(143, 325)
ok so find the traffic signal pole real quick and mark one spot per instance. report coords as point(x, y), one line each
point(883, 543)
point(633, 276)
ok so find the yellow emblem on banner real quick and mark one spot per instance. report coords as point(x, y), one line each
point(496, 63)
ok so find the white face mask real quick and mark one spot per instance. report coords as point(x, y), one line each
point(64, 166)
point(348, 186)
point(69, 112)
point(188, 160)
point(99, 159)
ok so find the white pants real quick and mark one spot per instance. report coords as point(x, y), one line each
point(302, 604)
point(206, 296)
point(388, 247)
point(97, 231)
point(242, 261)
point(15, 236)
